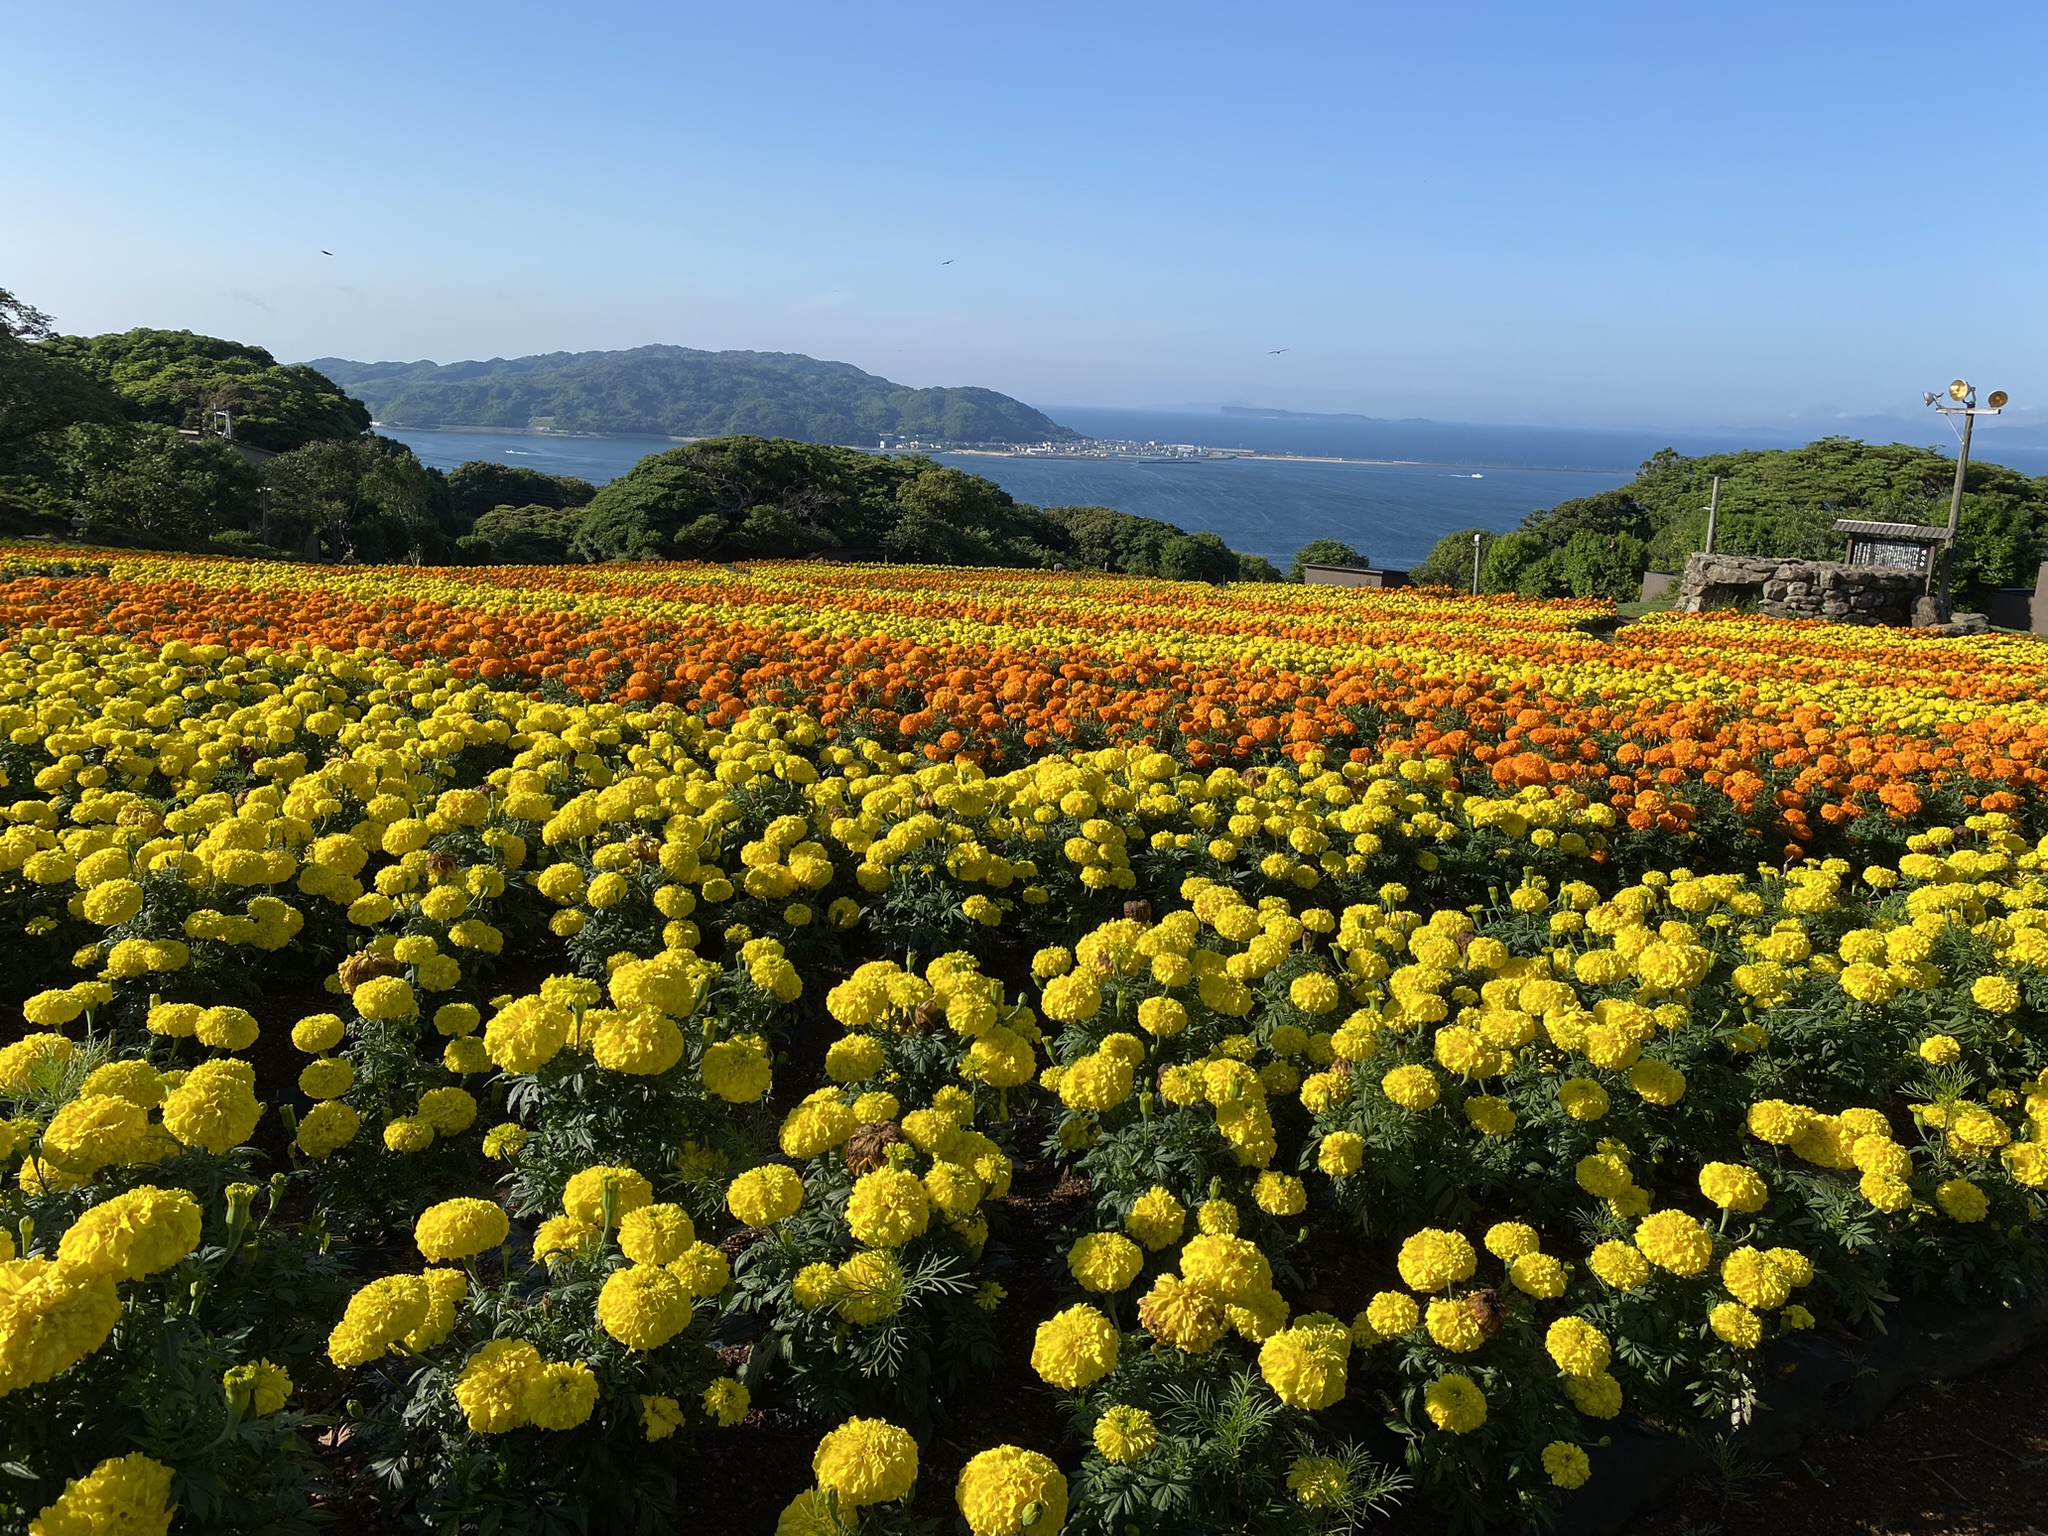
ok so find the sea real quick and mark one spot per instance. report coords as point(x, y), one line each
point(1389, 489)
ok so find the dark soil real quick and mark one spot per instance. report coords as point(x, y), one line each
point(1963, 1458)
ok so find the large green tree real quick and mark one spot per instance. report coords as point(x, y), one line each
point(1322, 552)
point(146, 484)
point(362, 499)
point(181, 379)
point(477, 486)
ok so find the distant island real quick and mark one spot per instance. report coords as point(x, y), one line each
point(668, 391)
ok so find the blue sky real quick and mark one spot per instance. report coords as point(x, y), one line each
point(1684, 215)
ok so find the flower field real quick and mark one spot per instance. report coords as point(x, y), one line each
point(487, 1047)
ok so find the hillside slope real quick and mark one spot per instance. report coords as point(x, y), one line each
point(682, 392)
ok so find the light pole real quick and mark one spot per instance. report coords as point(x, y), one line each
point(1475, 563)
point(1964, 394)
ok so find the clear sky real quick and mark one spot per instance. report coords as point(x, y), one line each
point(1688, 215)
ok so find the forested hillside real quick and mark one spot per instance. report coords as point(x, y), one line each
point(682, 392)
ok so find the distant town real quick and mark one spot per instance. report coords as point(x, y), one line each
point(1071, 448)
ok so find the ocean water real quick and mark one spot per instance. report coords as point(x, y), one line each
point(1434, 478)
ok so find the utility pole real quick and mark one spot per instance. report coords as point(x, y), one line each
point(1964, 394)
point(1713, 514)
point(1475, 563)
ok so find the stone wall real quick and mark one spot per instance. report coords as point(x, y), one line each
point(1805, 589)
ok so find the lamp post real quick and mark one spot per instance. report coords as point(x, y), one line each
point(1475, 563)
point(1964, 394)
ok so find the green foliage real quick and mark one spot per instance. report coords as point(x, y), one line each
point(477, 486)
point(532, 535)
point(179, 379)
point(1257, 568)
point(1323, 552)
point(682, 392)
point(148, 484)
point(1785, 502)
point(749, 497)
point(1449, 562)
point(1519, 562)
point(367, 499)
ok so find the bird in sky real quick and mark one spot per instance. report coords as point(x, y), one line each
point(1278, 350)
point(947, 262)
point(327, 253)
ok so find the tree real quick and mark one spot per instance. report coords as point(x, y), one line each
point(1257, 568)
point(1322, 552)
point(1201, 557)
point(1520, 563)
point(1449, 561)
point(1606, 565)
point(476, 487)
point(366, 499)
point(149, 485)
point(530, 535)
point(180, 379)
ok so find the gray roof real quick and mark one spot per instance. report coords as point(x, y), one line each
point(1913, 533)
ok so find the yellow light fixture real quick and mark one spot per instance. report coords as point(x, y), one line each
point(1958, 389)
point(1996, 399)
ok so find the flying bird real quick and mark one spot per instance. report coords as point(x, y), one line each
point(1278, 350)
point(947, 262)
point(327, 253)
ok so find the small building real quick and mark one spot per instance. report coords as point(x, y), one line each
point(1912, 547)
point(1352, 576)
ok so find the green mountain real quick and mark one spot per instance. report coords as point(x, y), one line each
point(681, 392)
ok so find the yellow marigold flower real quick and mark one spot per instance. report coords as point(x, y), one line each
point(1754, 1280)
point(1280, 1194)
point(762, 1196)
point(738, 1070)
point(1433, 1259)
point(1413, 1087)
point(1104, 1261)
point(461, 1229)
point(1566, 1464)
point(1074, 1348)
point(1317, 1482)
point(1156, 1219)
point(52, 1315)
point(1597, 1397)
point(1736, 1325)
point(225, 1029)
point(317, 1033)
point(583, 1197)
point(327, 1127)
point(1125, 1434)
point(408, 1133)
point(1962, 1200)
point(1163, 1017)
point(560, 1395)
point(1454, 1326)
point(1393, 1314)
point(853, 1059)
point(1217, 1218)
point(1733, 1187)
point(1000, 1489)
point(869, 1287)
point(656, 1234)
point(133, 1079)
point(888, 1207)
point(660, 1417)
point(1579, 1348)
point(139, 1232)
point(129, 1495)
point(1675, 1241)
point(378, 1316)
point(866, 1461)
point(385, 997)
point(215, 1107)
point(1509, 1240)
point(1618, 1264)
point(1341, 1154)
point(1314, 993)
point(1582, 1098)
point(727, 1401)
point(1539, 1275)
point(327, 1077)
point(638, 1042)
point(1995, 994)
point(1656, 1082)
point(1455, 1404)
point(259, 1385)
point(1182, 1315)
point(643, 1306)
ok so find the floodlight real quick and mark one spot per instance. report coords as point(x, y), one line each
point(1996, 400)
point(1958, 389)
point(1928, 397)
